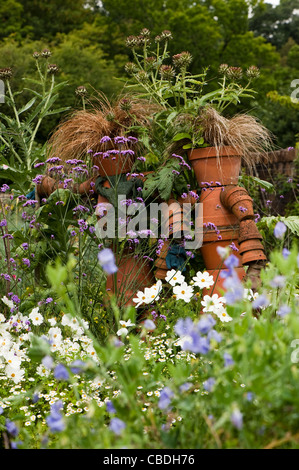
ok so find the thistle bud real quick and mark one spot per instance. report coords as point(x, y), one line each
point(46, 53)
point(145, 33)
point(158, 38)
point(252, 72)
point(125, 104)
point(166, 35)
point(167, 72)
point(150, 62)
point(182, 60)
point(142, 76)
point(223, 69)
point(6, 73)
point(131, 68)
point(35, 55)
point(132, 41)
point(234, 73)
point(52, 69)
point(81, 91)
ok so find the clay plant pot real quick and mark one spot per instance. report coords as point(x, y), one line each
point(220, 167)
point(248, 231)
point(114, 164)
point(251, 244)
point(238, 201)
point(253, 256)
point(133, 274)
point(218, 287)
point(48, 185)
point(208, 249)
point(160, 262)
point(213, 209)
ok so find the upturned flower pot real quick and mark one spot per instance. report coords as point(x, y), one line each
point(211, 241)
point(248, 231)
point(215, 166)
point(214, 211)
point(238, 201)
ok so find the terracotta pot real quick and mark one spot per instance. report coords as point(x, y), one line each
point(213, 209)
point(218, 288)
point(114, 164)
point(133, 274)
point(210, 244)
point(248, 230)
point(238, 201)
point(251, 244)
point(252, 256)
point(216, 168)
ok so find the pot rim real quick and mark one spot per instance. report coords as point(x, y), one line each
point(212, 152)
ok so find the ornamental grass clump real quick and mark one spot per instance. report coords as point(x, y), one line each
point(82, 131)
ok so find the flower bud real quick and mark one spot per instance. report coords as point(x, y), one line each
point(36, 55)
point(131, 68)
point(132, 41)
point(166, 35)
point(234, 73)
point(81, 91)
point(182, 60)
point(145, 33)
point(252, 72)
point(6, 73)
point(167, 72)
point(223, 69)
point(46, 53)
point(52, 69)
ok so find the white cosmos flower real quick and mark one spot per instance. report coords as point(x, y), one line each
point(12, 359)
point(14, 373)
point(222, 314)
point(203, 279)
point(126, 323)
point(183, 291)
point(2, 318)
point(140, 298)
point(122, 332)
point(211, 302)
point(36, 317)
point(174, 277)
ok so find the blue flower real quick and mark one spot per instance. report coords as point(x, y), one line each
point(165, 398)
point(213, 334)
point(107, 261)
point(77, 366)
point(228, 360)
point(149, 324)
point(237, 419)
point(283, 311)
point(183, 326)
point(11, 428)
point(279, 230)
point(110, 407)
point(117, 425)
point(260, 301)
point(55, 420)
point(205, 324)
point(61, 373)
point(285, 252)
point(48, 362)
point(234, 289)
point(185, 387)
point(277, 282)
point(196, 344)
point(209, 384)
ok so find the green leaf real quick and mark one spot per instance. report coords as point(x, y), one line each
point(27, 106)
point(181, 135)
